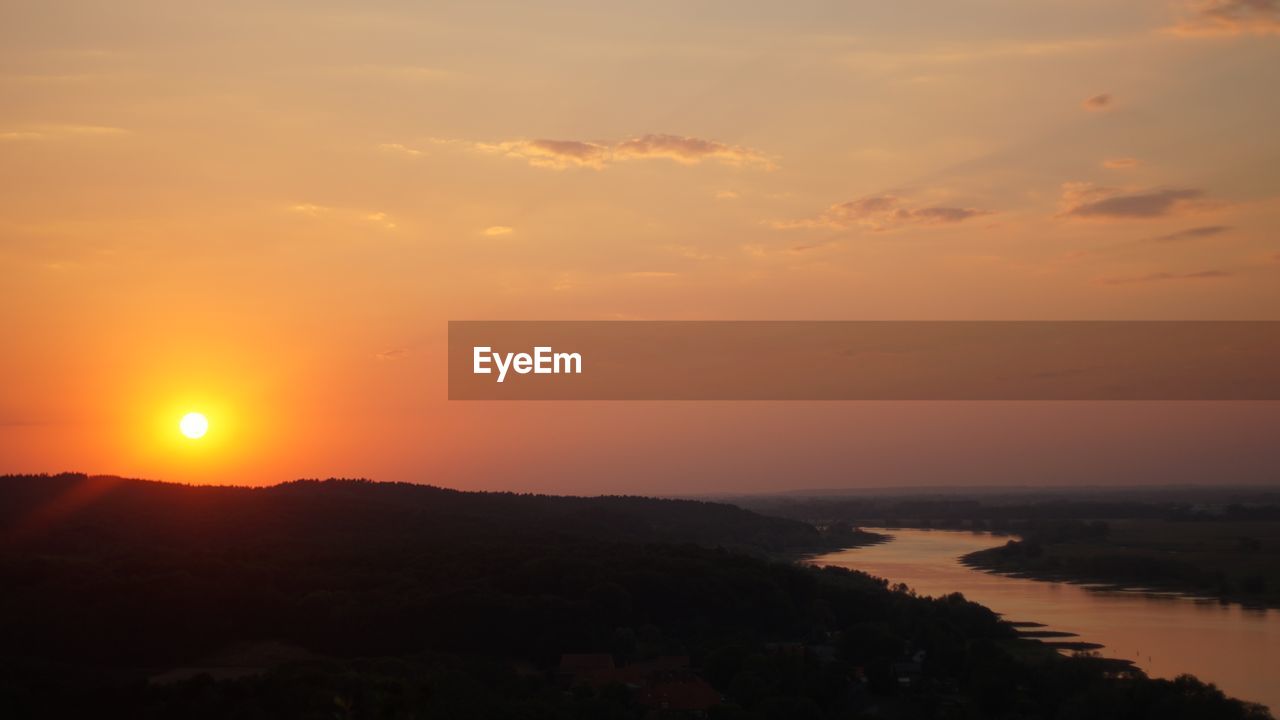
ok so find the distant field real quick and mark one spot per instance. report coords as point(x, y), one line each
point(1234, 559)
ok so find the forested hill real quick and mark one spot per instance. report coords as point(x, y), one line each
point(79, 510)
point(341, 599)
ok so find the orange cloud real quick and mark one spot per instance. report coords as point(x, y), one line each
point(399, 148)
point(562, 154)
point(1192, 233)
point(1085, 200)
point(1097, 102)
point(884, 212)
point(1120, 163)
point(1167, 276)
point(48, 132)
point(1229, 17)
point(688, 150)
point(347, 215)
point(556, 154)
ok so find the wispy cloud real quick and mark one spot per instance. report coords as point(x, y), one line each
point(1168, 277)
point(379, 219)
point(1192, 233)
point(53, 132)
point(1097, 103)
point(1120, 163)
point(564, 154)
point(883, 212)
point(688, 150)
point(309, 209)
point(496, 230)
point(393, 354)
point(762, 251)
point(690, 252)
point(401, 149)
point(1085, 200)
point(1229, 17)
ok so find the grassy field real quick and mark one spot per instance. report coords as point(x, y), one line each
point(1233, 559)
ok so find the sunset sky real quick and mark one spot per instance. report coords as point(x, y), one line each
point(268, 215)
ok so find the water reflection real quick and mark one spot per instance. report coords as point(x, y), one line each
point(1165, 634)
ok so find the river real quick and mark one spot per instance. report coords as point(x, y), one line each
point(1236, 648)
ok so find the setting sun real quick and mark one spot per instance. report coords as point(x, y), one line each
point(194, 425)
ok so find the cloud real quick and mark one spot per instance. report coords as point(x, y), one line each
point(382, 219)
point(727, 195)
point(760, 250)
point(1120, 163)
point(688, 150)
point(883, 212)
point(393, 354)
point(1192, 233)
point(1166, 276)
point(496, 230)
point(652, 274)
point(401, 149)
point(563, 154)
point(1085, 200)
point(806, 247)
point(1229, 17)
point(309, 209)
point(555, 154)
point(52, 132)
point(1097, 103)
point(312, 210)
point(690, 252)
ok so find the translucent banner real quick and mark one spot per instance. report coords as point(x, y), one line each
point(856, 360)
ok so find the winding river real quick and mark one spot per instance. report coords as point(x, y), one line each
point(1234, 647)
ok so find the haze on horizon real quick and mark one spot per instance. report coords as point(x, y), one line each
point(268, 215)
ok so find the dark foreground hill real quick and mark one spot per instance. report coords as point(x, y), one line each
point(353, 600)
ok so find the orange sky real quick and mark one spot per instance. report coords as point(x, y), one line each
point(269, 214)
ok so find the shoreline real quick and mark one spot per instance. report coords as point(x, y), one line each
point(1170, 591)
point(1033, 633)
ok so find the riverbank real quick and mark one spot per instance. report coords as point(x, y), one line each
point(1161, 636)
point(1229, 561)
point(846, 540)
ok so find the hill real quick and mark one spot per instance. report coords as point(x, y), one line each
point(342, 599)
point(80, 509)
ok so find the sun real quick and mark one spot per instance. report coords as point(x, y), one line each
point(194, 425)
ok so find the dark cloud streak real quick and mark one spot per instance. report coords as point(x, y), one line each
point(1192, 233)
point(1148, 204)
point(1167, 276)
